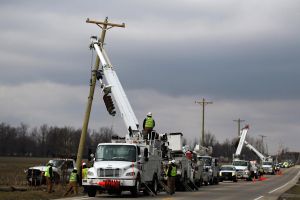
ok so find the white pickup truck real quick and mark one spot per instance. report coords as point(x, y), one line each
point(62, 169)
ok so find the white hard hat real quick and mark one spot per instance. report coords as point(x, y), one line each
point(149, 114)
point(173, 161)
point(170, 161)
point(84, 163)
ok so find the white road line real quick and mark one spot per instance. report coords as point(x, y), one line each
point(258, 198)
point(285, 184)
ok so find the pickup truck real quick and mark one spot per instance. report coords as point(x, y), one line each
point(62, 169)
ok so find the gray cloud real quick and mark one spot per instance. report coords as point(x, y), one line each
point(242, 55)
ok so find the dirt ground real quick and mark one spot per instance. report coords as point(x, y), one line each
point(292, 194)
point(13, 175)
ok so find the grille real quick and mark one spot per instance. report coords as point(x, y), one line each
point(108, 172)
point(33, 173)
point(227, 174)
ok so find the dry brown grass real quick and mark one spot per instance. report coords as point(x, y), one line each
point(12, 174)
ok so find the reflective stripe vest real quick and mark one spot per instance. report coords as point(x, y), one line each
point(173, 171)
point(47, 172)
point(84, 173)
point(73, 177)
point(149, 122)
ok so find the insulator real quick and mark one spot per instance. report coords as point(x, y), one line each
point(109, 104)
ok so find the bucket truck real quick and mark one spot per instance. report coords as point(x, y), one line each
point(210, 165)
point(266, 161)
point(133, 163)
point(189, 171)
point(243, 167)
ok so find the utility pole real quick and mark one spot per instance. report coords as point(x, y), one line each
point(262, 141)
point(104, 26)
point(239, 124)
point(203, 103)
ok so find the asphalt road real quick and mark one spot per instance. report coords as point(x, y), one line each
point(271, 188)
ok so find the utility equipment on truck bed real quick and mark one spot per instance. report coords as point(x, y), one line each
point(210, 165)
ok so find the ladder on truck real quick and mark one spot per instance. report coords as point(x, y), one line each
point(164, 186)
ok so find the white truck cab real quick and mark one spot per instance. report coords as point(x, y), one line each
point(122, 166)
point(242, 168)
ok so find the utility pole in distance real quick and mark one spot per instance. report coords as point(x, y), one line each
point(203, 103)
point(262, 141)
point(239, 124)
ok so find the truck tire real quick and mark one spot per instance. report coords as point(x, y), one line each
point(136, 189)
point(154, 186)
point(216, 180)
point(91, 191)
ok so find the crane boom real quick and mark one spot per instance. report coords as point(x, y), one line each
point(242, 140)
point(252, 148)
point(114, 87)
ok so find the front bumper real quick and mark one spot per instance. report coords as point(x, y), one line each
point(99, 182)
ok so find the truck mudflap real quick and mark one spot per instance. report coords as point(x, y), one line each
point(109, 184)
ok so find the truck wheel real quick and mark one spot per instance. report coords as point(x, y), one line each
point(136, 189)
point(91, 191)
point(211, 181)
point(154, 185)
point(205, 183)
point(216, 181)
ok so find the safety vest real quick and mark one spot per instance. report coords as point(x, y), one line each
point(47, 172)
point(84, 173)
point(73, 177)
point(149, 122)
point(173, 171)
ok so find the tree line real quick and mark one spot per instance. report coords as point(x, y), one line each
point(53, 141)
point(48, 141)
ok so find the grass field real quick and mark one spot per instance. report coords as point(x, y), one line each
point(12, 174)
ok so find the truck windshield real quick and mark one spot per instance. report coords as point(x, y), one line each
point(267, 163)
point(56, 163)
point(116, 153)
point(240, 163)
point(206, 160)
point(227, 168)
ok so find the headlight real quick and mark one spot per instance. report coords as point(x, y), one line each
point(130, 174)
point(233, 173)
point(220, 173)
point(90, 173)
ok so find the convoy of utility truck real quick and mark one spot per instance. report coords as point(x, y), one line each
point(138, 161)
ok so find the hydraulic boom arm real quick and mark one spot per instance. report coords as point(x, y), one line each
point(114, 87)
point(242, 140)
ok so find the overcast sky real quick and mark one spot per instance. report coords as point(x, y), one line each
point(242, 55)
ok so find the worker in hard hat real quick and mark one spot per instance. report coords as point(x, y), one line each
point(84, 172)
point(73, 182)
point(171, 173)
point(49, 177)
point(148, 125)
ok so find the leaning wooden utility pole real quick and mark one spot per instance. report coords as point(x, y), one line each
point(104, 26)
point(203, 103)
